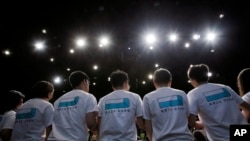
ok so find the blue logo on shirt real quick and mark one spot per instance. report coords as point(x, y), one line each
point(26, 115)
point(69, 103)
point(216, 94)
point(170, 101)
point(117, 103)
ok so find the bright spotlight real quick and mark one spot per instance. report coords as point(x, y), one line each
point(6, 52)
point(44, 31)
point(39, 45)
point(187, 45)
point(211, 36)
point(173, 37)
point(80, 42)
point(71, 51)
point(68, 69)
point(150, 39)
point(143, 82)
point(104, 41)
point(221, 16)
point(196, 36)
point(95, 67)
point(51, 59)
point(57, 80)
point(156, 65)
point(150, 76)
point(209, 74)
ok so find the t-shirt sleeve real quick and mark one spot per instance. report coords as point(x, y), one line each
point(192, 102)
point(48, 115)
point(246, 98)
point(8, 123)
point(186, 104)
point(92, 104)
point(100, 111)
point(139, 108)
point(146, 113)
point(236, 97)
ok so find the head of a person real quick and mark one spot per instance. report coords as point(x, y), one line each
point(42, 89)
point(14, 100)
point(198, 74)
point(119, 80)
point(243, 81)
point(162, 78)
point(79, 80)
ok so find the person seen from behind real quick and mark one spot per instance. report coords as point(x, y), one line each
point(166, 110)
point(75, 111)
point(216, 105)
point(34, 117)
point(120, 111)
point(10, 102)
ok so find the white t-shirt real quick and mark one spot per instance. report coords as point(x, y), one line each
point(7, 120)
point(118, 111)
point(69, 119)
point(217, 107)
point(167, 108)
point(32, 118)
point(246, 97)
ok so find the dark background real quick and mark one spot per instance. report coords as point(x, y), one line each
point(125, 21)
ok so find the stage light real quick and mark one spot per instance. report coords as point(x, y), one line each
point(51, 59)
point(39, 45)
point(80, 42)
point(150, 39)
point(143, 82)
point(150, 76)
point(221, 16)
point(156, 65)
point(173, 37)
point(95, 67)
point(57, 80)
point(44, 31)
point(6, 52)
point(104, 41)
point(211, 36)
point(187, 45)
point(71, 51)
point(196, 36)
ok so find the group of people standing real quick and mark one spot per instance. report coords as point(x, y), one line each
point(164, 114)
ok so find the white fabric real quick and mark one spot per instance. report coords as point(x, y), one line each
point(69, 119)
point(167, 108)
point(7, 120)
point(118, 111)
point(217, 107)
point(32, 118)
point(246, 97)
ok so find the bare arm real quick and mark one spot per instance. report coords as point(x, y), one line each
point(48, 130)
point(245, 109)
point(140, 122)
point(194, 123)
point(99, 119)
point(149, 129)
point(5, 134)
point(91, 121)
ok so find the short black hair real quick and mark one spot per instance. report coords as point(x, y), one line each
point(41, 89)
point(162, 76)
point(198, 72)
point(118, 77)
point(76, 77)
point(13, 98)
